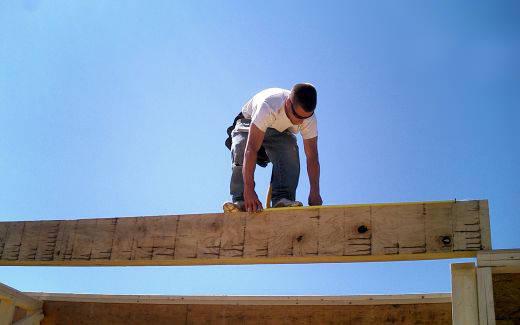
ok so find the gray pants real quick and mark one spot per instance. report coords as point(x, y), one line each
point(282, 150)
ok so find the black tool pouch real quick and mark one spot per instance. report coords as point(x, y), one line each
point(261, 159)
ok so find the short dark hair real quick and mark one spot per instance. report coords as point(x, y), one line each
point(305, 95)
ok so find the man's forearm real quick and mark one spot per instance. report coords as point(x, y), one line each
point(248, 170)
point(313, 170)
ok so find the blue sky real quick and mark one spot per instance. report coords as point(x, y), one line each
point(112, 108)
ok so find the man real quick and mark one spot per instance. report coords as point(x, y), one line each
point(263, 132)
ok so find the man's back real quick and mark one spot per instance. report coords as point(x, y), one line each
point(266, 110)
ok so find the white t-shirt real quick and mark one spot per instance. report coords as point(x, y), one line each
point(266, 110)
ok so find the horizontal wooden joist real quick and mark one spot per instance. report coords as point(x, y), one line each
point(500, 261)
point(114, 310)
point(358, 300)
point(355, 233)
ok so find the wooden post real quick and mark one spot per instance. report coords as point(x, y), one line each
point(464, 294)
point(499, 285)
point(486, 306)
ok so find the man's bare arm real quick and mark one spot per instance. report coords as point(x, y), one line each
point(313, 170)
point(254, 142)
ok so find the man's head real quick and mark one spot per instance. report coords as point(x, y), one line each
point(304, 95)
point(301, 103)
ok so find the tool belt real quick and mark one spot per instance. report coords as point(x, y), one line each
point(261, 158)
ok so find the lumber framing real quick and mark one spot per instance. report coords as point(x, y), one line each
point(19, 298)
point(464, 294)
point(488, 293)
point(501, 278)
point(354, 233)
point(358, 310)
point(486, 304)
point(354, 300)
point(500, 260)
point(11, 300)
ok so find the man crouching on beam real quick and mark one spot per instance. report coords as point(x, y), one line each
point(264, 132)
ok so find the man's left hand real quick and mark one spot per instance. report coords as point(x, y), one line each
point(315, 198)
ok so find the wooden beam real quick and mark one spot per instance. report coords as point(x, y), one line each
point(485, 224)
point(359, 310)
point(464, 294)
point(58, 312)
point(19, 299)
point(501, 260)
point(355, 233)
point(358, 300)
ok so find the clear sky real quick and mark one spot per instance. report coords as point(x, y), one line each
point(119, 108)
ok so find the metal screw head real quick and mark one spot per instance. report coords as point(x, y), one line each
point(446, 240)
point(362, 229)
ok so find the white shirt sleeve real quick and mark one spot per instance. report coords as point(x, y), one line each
point(263, 117)
point(309, 128)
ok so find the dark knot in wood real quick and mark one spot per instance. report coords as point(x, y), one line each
point(299, 238)
point(362, 229)
point(446, 240)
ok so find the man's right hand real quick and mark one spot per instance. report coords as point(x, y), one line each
point(251, 201)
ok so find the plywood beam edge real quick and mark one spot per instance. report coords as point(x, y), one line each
point(430, 298)
point(252, 261)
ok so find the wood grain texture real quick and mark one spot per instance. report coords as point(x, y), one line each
point(57, 312)
point(506, 294)
point(464, 294)
point(32, 319)
point(486, 305)
point(356, 300)
point(370, 232)
point(7, 309)
point(19, 299)
point(501, 260)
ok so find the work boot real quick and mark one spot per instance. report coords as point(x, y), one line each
point(233, 206)
point(285, 203)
